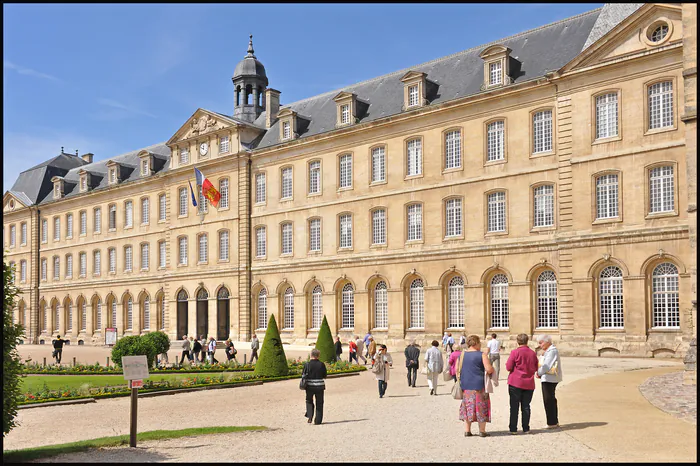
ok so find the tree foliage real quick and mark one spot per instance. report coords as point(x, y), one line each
point(11, 362)
point(160, 341)
point(272, 361)
point(134, 345)
point(324, 343)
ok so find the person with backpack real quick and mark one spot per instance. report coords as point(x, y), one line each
point(382, 364)
point(314, 372)
point(58, 348)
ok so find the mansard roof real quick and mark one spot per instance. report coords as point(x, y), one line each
point(35, 184)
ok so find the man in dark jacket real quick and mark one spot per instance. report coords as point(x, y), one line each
point(338, 348)
point(412, 353)
point(196, 349)
point(58, 348)
point(315, 386)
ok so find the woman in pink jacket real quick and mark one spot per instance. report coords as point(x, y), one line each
point(522, 366)
point(454, 357)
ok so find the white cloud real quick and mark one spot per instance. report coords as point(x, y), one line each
point(121, 109)
point(27, 71)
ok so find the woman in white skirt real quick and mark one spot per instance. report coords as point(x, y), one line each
point(435, 366)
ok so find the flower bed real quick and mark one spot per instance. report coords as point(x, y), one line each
point(97, 369)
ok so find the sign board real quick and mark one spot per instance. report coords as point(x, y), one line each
point(136, 383)
point(135, 367)
point(110, 336)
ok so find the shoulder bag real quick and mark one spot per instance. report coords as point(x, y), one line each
point(446, 376)
point(304, 374)
point(457, 387)
point(377, 368)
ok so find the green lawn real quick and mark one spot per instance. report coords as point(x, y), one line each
point(36, 382)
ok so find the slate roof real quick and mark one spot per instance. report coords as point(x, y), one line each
point(35, 183)
point(611, 15)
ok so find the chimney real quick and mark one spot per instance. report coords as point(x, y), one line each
point(87, 157)
point(272, 106)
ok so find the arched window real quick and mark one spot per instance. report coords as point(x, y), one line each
point(83, 315)
point(146, 309)
point(162, 312)
point(129, 313)
point(202, 312)
point(547, 316)
point(416, 305)
point(98, 315)
point(113, 323)
point(381, 305)
point(182, 312)
point(664, 287)
point(316, 307)
point(223, 321)
point(262, 309)
point(611, 302)
point(455, 303)
point(288, 308)
point(69, 316)
point(56, 317)
point(499, 301)
point(45, 318)
point(348, 306)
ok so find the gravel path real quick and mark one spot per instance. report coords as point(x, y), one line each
point(407, 425)
point(668, 393)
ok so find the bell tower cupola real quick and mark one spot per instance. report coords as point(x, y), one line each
point(249, 82)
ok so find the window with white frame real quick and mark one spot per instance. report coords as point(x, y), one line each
point(223, 190)
point(260, 191)
point(223, 144)
point(611, 298)
point(542, 131)
point(606, 115)
point(83, 315)
point(96, 220)
point(495, 73)
point(56, 228)
point(56, 190)
point(348, 306)
point(414, 212)
point(664, 287)
point(83, 264)
point(345, 114)
point(56, 268)
point(128, 214)
point(381, 305)
point(113, 217)
point(23, 234)
point(184, 156)
point(286, 183)
point(286, 130)
point(262, 309)
point(114, 313)
point(146, 313)
point(315, 177)
point(203, 249)
point(544, 206)
point(453, 217)
point(315, 235)
point(96, 262)
point(379, 226)
point(129, 313)
point(345, 171)
point(287, 240)
point(161, 254)
point(56, 316)
point(44, 230)
point(182, 197)
point(144, 167)
point(182, 250)
point(202, 201)
point(145, 211)
point(69, 226)
point(547, 315)
point(23, 270)
point(497, 211)
point(13, 235)
point(83, 183)
point(260, 242)
point(288, 309)
point(45, 316)
point(455, 303)
point(661, 189)
point(112, 175)
point(661, 105)
point(43, 269)
point(413, 95)
point(453, 149)
point(69, 316)
point(162, 313)
point(128, 259)
point(659, 33)
point(495, 143)
point(499, 301)
point(416, 304)
point(346, 231)
point(316, 307)
point(162, 207)
point(98, 315)
point(112, 258)
point(414, 157)
point(607, 197)
point(378, 165)
point(145, 260)
point(223, 245)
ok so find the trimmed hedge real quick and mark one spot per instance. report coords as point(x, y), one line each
point(11, 362)
point(159, 340)
point(134, 345)
point(96, 369)
point(272, 361)
point(324, 343)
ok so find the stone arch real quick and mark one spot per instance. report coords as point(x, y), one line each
point(374, 279)
point(603, 262)
point(222, 286)
point(176, 296)
point(283, 285)
point(448, 300)
point(449, 274)
point(410, 276)
point(340, 283)
point(94, 302)
point(65, 317)
point(311, 284)
point(493, 270)
point(201, 288)
point(160, 310)
point(538, 268)
point(651, 262)
point(82, 321)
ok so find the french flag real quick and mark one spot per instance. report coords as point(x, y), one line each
point(207, 188)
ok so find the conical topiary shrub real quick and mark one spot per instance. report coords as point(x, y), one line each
point(272, 361)
point(325, 344)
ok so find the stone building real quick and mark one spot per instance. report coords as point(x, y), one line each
point(540, 187)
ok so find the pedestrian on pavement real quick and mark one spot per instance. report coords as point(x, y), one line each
point(58, 348)
point(185, 349)
point(254, 345)
point(163, 359)
point(383, 363)
point(315, 386)
point(360, 349)
point(212, 351)
point(476, 404)
point(366, 342)
point(338, 348)
point(412, 353)
point(452, 361)
point(495, 346)
point(190, 356)
point(462, 340)
point(444, 342)
point(550, 373)
point(352, 351)
point(433, 358)
point(196, 350)
point(231, 351)
point(522, 366)
point(205, 344)
point(372, 348)
point(450, 343)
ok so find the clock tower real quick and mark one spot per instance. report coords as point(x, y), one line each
point(249, 82)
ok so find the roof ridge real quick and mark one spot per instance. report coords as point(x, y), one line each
point(435, 60)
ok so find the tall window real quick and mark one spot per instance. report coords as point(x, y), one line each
point(128, 214)
point(661, 192)
point(129, 313)
point(182, 197)
point(453, 149)
point(182, 250)
point(414, 157)
point(259, 187)
point(203, 248)
point(348, 306)
point(223, 144)
point(379, 226)
point(286, 130)
point(223, 190)
point(611, 298)
point(495, 141)
point(542, 131)
point(184, 156)
point(453, 217)
point(286, 183)
point(315, 177)
point(69, 266)
point(607, 196)
point(97, 262)
point(455, 303)
point(145, 211)
point(56, 316)
point(113, 217)
point(162, 313)
point(112, 253)
point(162, 207)
point(346, 231)
point(144, 167)
point(499, 301)
point(128, 258)
point(69, 225)
point(13, 235)
point(315, 235)
point(260, 243)
point(202, 201)
point(56, 268)
point(23, 270)
point(606, 115)
point(145, 260)
point(56, 228)
point(45, 316)
point(665, 296)
point(381, 305)
point(98, 316)
point(345, 114)
point(69, 316)
point(495, 73)
point(316, 307)
point(23, 234)
point(497, 211)
point(661, 105)
point(43, 269)
point(416, 304)
point(96, 220)
point(83, 315)
point(44, 230)
point(345, 171)
point(146, 313)
point(415, 222)
point(288, 309)
point(547, 316)
point(544, 206)
point(223, 245)
point(161, 254)
point(286, 238)
point(83, 264)
point(262, 309)
point(413, 95)
point(378, 165)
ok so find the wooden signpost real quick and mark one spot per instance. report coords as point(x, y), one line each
point(135, 370)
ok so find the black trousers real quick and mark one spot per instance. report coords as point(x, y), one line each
point(254, 354)
point(550, 403)
point(412, 374)
point(310, 394)
point(59, 353)
point(185, 354)
point(519, 399)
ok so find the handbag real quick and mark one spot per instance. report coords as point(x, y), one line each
point(303, 381)
point(554, 370)
point(424, 370)
point(457, 387)
point(446, 376)
point(377, 368)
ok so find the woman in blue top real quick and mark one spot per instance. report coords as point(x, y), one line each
point(476, 405)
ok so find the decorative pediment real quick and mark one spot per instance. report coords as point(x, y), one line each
point(13, 201)
point(493, 51)
point(200, 123)
point(285, 112)
point(413, 76)
point(343, 96)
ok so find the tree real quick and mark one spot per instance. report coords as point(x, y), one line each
point(11, 362)
point(160, 341)
point(272, 361)
point(324, 343)
point(134, 345)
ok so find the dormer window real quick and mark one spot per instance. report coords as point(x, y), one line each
point(497, 67)
point(345, 114)
point(286, 130)
point(495, 73)
point(113, 174)
point(57, 187)
point(414, 89)
point(83, 183)
point(413, 95)
point(144, 167)
point(349, 109)
point(146, 164)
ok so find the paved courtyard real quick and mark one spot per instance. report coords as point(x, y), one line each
point(604, 417)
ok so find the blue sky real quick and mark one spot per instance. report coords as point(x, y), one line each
point(109, 79)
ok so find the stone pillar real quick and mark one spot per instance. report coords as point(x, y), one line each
point(361, 315)
point(519, 308)
point(244, 249)
point(690, 361)
point(120, 324)
point(397, 319)
point(635, 309)
point(330, 312)
point(433, 302)
point(474, 316)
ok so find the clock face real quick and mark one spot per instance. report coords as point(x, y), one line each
point(204, 148)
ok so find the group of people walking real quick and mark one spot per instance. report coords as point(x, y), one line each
point(196, 350)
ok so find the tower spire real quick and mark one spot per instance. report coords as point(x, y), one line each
point(251, 52)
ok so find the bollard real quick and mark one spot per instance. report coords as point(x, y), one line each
point(244, 359)
point(44, 362)
point(73, 361)
point(107, 361)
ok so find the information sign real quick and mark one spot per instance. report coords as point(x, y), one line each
point(135, 367)
point(110, 336)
